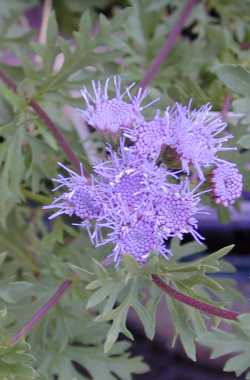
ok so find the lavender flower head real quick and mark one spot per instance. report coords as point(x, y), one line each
point(128, 180)
point(132, 234)
point(79, 199)
point(132, 201)
point(194, 136)
point(149, 137)
point(176, 208)
point(112, 114)
point(227, 184)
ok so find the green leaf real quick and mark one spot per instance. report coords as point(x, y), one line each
point(2, 257)
point(83, 273)
point(119, 316)
point(235, 77)
point(11, 175)
point(100, 295)
point(180, 318)
point(52, 33)
point(146, 317)
point(107, 291)
point(97, 364)
point(16, 362)
point(218, 254)
point(14, 292)
point(15, 100)
point(236, 343)
point(244, 141)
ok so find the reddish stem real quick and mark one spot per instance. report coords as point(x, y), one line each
point(41, 312)
point(173, 36)
point(48, 122)
point(57, 134)
point(6, 80)
point(245, 45)
point(197, 304)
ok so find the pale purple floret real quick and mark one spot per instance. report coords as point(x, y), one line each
point(112, 114)
point(176, 208)
point(149, 137)
point(138, 240)
point(129, 180)
point(194, 136)
point(227, 184)
point(78, 199)
point(141, 239)
point(132, 234)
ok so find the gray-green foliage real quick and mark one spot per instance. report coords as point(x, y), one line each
point(16, 362)
point(37, 256)
point(236, 343)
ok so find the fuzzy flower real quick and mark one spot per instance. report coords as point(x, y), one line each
point(150, 137)
point(132, 234)
point(176, 208)
point(112, 114)
point(130, 201)
point(227, 184)
point(127, 179)
point(194, 135)
point(78, 199)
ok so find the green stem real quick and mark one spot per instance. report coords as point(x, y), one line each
point(43, 199)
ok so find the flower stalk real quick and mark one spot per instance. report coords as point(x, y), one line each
point(173, 293)
point(41, 312)
point(203, 307)
point(171, 39)
point(62, 142)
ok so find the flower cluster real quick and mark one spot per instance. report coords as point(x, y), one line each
point(227, 184)
point(132, 200)
point(111, 114)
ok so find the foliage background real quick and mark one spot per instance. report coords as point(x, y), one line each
point(99, 39)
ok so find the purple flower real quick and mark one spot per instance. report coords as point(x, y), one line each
point(150, 137)
point(194, 136)
point(111, 114)
point(132, 234)
point(128, 180)
point(140, 240)
point(79, 198)
point(130, 201)
point(176, 207)
point(137, 197)
point(227, 184)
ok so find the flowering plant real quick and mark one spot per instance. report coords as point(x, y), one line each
point(137, 168)
point(131, 194)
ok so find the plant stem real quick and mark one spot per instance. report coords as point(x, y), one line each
point(48, 122)
point(47, 7)
point(187, 300)
point(42, 35)
point(6, 80)
point(57, 134)
point(197, 304)
point(43, 199)
point(173, 36)
point(245, 45)
point(41, 312)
